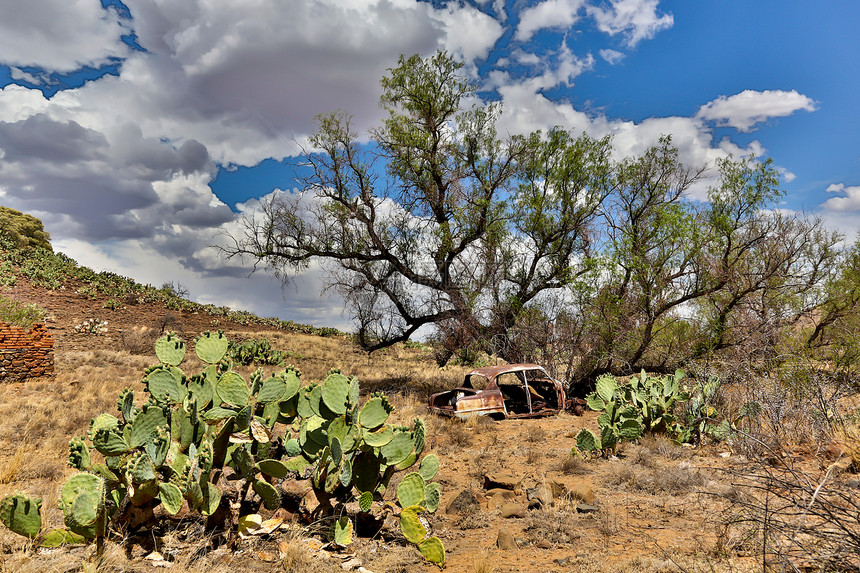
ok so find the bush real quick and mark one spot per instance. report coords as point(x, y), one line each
point(19, 313)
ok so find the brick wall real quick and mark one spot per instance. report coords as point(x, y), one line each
point(25, 354)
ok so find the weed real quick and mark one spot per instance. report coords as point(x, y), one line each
point(553, 526)
point(20, 314)
point(535, 434)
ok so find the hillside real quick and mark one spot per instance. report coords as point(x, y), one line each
point(652, 506)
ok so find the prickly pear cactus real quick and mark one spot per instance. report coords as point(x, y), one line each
point(21, 514)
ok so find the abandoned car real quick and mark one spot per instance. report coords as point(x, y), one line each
point(510, 391)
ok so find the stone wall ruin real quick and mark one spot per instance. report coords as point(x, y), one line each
point(25, 354)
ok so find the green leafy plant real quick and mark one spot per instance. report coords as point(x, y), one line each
point(180, 444)
point(647, 404)
point(255, 350)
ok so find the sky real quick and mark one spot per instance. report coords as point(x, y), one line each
point(143, 132)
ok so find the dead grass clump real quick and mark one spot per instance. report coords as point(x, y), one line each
point(474, 520)
point(483, 562)
point(140, 340)
point(535, 434)
point(553, 526)
point(573, 466)
point(455, 433)
point(533, 456)
point(653, 478)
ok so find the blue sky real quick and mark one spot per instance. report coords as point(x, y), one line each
point(143, 133)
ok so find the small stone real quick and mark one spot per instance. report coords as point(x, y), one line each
point(562, 561)
point(497, 491)
point(505, 540)
point(512, 509)
point(543, 544)
point(465, 502)
point(351, 564)
point(503, 481)
point(586, 508)
point(583, 492)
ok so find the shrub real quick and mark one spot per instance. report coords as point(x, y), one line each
point(19, 313)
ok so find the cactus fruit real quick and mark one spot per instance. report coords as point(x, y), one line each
point(211, 347)
point(433, 551)
point(170, 349)
point(21, 514)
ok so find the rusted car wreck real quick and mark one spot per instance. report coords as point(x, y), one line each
point(510, 391)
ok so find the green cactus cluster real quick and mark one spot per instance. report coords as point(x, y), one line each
point(255, 350)
point(645, 404)
point(171, 449)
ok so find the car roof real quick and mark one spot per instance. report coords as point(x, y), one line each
point(493, 371)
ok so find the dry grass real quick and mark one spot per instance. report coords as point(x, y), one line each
point(552, 526)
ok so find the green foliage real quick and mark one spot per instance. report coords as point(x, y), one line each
point(650, 404)
point(20, 314)
point(256, 350)
point(167, 450)
point(23, 230)
point(21, 514)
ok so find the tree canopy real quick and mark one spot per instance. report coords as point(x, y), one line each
point(23, 230)
point(541, 246)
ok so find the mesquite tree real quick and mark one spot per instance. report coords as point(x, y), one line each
point(440, 221)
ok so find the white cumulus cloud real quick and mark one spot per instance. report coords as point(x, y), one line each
point(547, 14)
point(748, 108)
point(60, 35)
point(636, 20)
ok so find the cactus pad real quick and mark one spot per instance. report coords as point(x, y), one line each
point(374, 413)
point(21, 514)
point(164, 386)
point(429, 466)
point(432, 496)
point(170, 349)
point(433, 551)
point(211, 347)
point(268, 493)
point(273, 468)
point(365, 501)
point(59, 537)
point(410, 491)
point(379, 437)
point(398, 448)
point(292, 447)
point(342, 531)
point(82, 502)
point(110, 443)
point(412, 528)
point(145, 425)
point(335, 392)
point(272, 390)
point(171, 497)
point(233, 389)
point(586, 441)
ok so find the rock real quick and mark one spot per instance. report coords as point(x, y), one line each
point(465, 502)
point(350, 564)
point(562, 562)
point(503, 481)
point(586, 508)
point(505, 540)
point(582, 492)
point(543, 544)
point(539, 497)
point(504, 493)
point(558, 489)
point(512, 509)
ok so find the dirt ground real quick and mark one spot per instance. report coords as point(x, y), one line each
point(654, 506)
